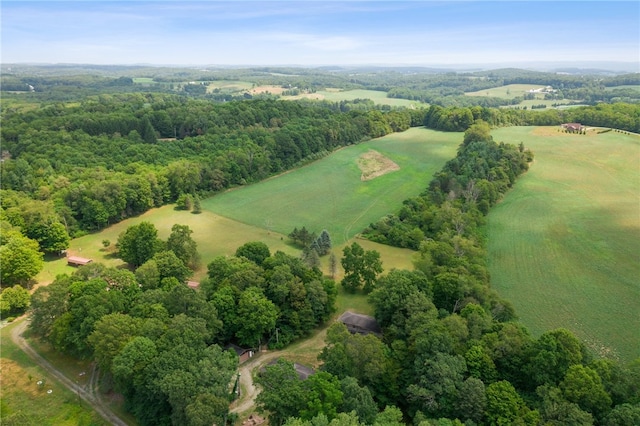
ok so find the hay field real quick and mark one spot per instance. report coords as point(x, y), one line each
point(377, 96)
point(564, 244)
point(330, 194)
point(509, 91)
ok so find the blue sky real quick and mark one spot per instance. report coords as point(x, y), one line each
point(319, 32)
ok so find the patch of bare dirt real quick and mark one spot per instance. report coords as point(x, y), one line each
point(372, 164)
point(14, 376)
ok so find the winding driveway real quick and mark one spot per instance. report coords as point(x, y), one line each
point(89, 395)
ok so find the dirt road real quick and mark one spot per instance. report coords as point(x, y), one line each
point(89, 395)
point(248, 391)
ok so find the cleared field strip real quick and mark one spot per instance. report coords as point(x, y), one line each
point(329, 193)
point(564, 244)
point(377, 96)
point(509, 91)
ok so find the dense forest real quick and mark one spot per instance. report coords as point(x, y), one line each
point(89, 151)
point(159, 342)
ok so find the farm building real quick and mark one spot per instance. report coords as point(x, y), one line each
point(193, 284)
point(361, 324)
point(243, 354)
point(573, 127)
point(78, 261)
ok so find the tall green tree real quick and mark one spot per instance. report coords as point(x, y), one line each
point(478, 132)
point(361, 268)
point(182, 244)
point(257, 315)
point(14, 300)
point(255, 251)
point(583, 386)
point(138, 243)
point(112, 332)
point(282, 393)
point(52, 237)
point(21, 259)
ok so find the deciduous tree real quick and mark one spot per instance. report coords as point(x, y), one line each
point(21, 259)
point(138, 243)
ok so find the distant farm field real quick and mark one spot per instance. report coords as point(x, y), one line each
point(509, 91)
point(564, 244)
point(329, 193)
point(377, 96)
point(229, 86)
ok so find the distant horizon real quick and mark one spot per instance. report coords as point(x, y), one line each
point(604, 66)
point(314, 33)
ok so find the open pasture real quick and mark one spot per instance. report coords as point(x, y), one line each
point(143, 80)
point(377, 96)
point(229, 86)
point(564, 244)
point(214, 234)
point(509, 91)
point(326, 194)
point(329, 193)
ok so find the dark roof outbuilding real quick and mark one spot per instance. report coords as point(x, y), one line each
point(362, 324)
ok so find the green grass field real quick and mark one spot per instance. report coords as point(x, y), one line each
point(143, 80)
point(377, 96)
point(20, 392)
point(509, 91)
point(328, 194)
point(564, 244)
point(512, 90)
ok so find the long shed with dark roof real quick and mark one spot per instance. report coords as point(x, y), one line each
point(361, 324)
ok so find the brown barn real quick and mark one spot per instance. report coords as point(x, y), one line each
point(78, 261)
point(361, 324)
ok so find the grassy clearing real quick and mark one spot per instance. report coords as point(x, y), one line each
point(215, 236)
point(143, 80)
point(377, 96)
point(329, 193)
point(564, 244)
point(229, 86)
point(326, 194)
point(20, 392)
point(509, 91)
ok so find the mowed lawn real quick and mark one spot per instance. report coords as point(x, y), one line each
point(564, 244)
point(329, 194)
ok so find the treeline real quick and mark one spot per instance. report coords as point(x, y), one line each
point(116, 156)
point(457, 198)
point(458, 119)
point(158, 342)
